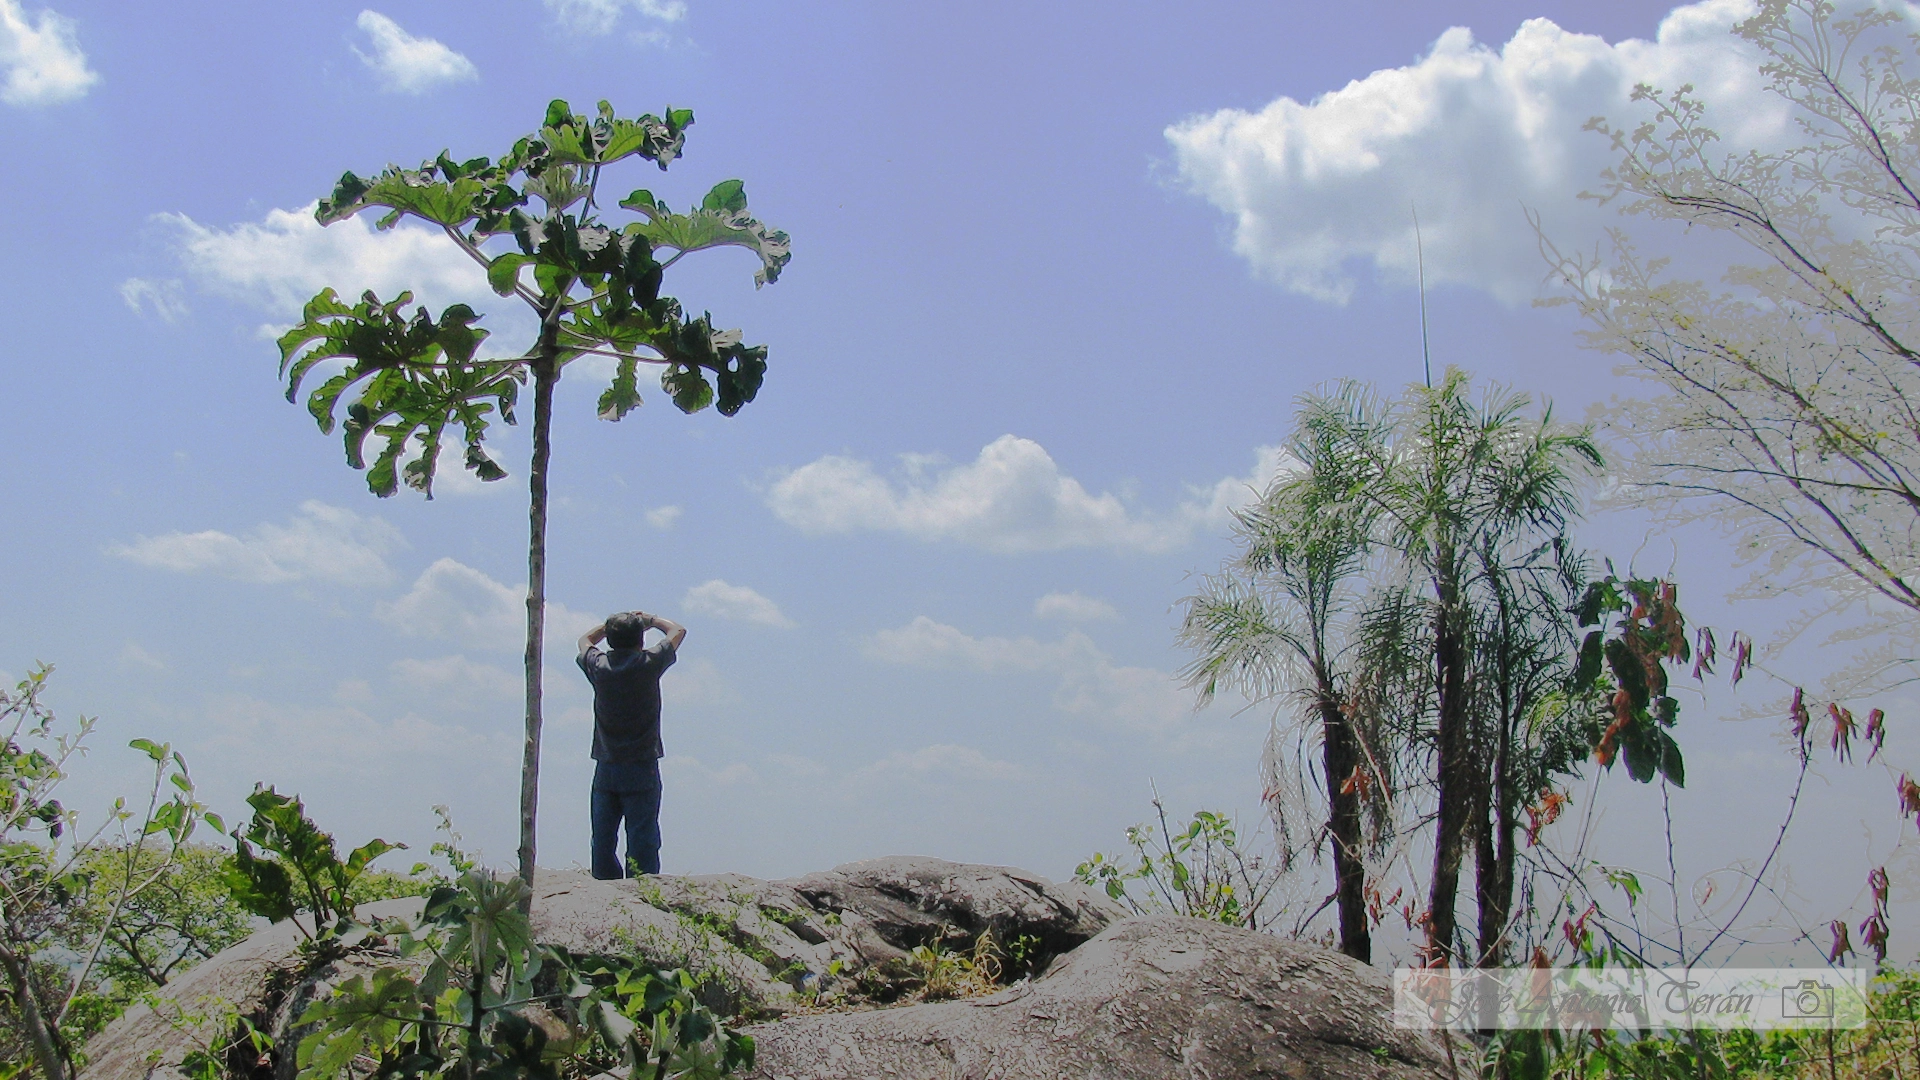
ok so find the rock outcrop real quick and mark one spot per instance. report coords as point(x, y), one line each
point(1150, 998)
point(816, 959)
point(759, 948)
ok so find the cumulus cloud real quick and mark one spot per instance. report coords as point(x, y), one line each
point(724, 601)
point(306, 740)
point(942, 761)
point(279, 262)
point(457, 675)
point(1088, 683)
point(696, 683)
point(41, 58)
point(410, 64)
point(601, 16)
point(1073, 607)
point(163, 298)
point(1469, 135)
point(320, 543)
point(1011, 499)
point(453, 601)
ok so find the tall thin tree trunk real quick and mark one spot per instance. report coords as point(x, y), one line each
point(1341, 755)
point(545, 374)
point(46, 1048)
point(1454, 765)
point(1496, 853)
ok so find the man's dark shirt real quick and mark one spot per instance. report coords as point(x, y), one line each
point(626, 701)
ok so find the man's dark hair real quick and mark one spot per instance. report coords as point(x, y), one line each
point(624, 630)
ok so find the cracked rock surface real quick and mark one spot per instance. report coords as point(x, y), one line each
point(1111, 997)
point(1150, 998)
point(761, 948)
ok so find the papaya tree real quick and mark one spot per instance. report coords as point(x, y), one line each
point(536, 221)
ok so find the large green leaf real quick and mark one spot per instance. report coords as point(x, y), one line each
point(417, 376)
point(721, 221)
point(359, 1018)
point(623, 396)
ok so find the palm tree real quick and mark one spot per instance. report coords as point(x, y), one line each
point(1278, 620)
point(1453, 484)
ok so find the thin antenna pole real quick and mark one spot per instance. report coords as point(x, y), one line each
point(1420, 256)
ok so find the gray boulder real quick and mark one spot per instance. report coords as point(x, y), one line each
point(816, 957)
point(1150, 998)
point(759, 948)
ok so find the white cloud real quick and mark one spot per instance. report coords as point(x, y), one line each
point(280, 262)
point(453, 601)
point(1467, 134)
point(305, 742)
point(663, 517)
point(1012, 499)
point(321, 543)
point(410, 64)
point(1073, 607)
point(601, 16)
point(696, 683)
point(163, 298)
point(133, 654)
point(942, 761)
point(41, 58)
point(689, 771)
point(457, 675)
point(724, 601)
point(1088, 683)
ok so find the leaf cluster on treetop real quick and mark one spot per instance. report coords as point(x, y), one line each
point(595, 288)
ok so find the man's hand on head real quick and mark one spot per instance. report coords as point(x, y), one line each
point(674, 631)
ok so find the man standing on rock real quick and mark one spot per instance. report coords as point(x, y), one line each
point(626, 736)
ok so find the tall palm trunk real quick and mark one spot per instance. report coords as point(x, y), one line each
point(1454, 765)
point(546, 372)
point(1341, 755)
point(1494, 858)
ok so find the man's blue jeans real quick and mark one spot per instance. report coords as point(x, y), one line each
point(630, 793)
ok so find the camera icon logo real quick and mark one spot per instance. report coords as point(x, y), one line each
point(1807, 1000)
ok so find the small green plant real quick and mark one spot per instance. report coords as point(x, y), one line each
point(1200, 871)
point(491, 1002)
point(945, 974)
point(1024, 952)
point(304, 873)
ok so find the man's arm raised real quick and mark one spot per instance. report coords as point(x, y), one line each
point(592, 637)
point(674, 631)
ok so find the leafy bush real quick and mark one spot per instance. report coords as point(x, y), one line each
point(183, 916)
point(303, 872)
point(489, 1001)
point(53, 882)
point(1200, 871)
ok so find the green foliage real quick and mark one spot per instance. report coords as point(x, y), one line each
point(299, 869)
point(595, 286)
point(944, 973)
point(1884, 1047)
point(58, 899)
point(1200, 871)
point(474, 995)
point(184, 915)
point(1638, 630)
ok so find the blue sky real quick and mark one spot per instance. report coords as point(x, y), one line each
point(1059, 273)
